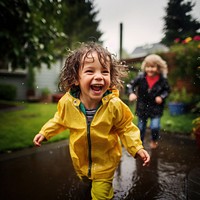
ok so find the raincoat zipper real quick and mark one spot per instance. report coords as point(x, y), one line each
point(89, 138)
point(90, 145)
point(89, 149)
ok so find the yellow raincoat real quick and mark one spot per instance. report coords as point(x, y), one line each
point(95, 148)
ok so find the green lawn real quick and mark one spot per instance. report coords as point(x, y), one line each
point(20, 126)
point(180, 124)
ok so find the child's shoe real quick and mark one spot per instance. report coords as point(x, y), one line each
point(153, 144)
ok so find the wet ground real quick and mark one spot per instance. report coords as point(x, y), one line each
point(47, 173)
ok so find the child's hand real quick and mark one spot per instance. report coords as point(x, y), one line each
point(158, 100)
point(132, 97)
point(144, 156)
point(38, 139)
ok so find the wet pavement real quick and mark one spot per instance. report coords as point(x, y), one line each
point(47, 173)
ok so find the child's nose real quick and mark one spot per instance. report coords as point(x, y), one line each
point(98, 76)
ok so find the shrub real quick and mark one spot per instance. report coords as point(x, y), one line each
point(8, 92)
point(187, 59)
point(181, 96)
point(196, 129)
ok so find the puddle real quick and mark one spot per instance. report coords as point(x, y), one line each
point(165, 178)
point(47, 173)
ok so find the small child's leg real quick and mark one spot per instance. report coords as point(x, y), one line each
point(142, 122)
point(102, 189)
point(155, 129)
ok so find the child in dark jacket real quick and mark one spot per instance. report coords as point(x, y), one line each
point(150, 88)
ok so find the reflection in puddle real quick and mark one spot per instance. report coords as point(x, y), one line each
point(47, 173)
point(164, 178)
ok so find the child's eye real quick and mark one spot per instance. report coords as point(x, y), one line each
point(105, 72)
point(89, 71)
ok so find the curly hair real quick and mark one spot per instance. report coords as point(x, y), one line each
point(155, 59)
point(76, 58)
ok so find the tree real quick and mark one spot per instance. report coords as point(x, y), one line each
point(28, 32)
point(179, 22)
point(79, 21)
point(36, 32)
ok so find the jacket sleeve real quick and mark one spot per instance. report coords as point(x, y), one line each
point(131, 87)
point(166, 89)
point(56, 124)
point(128, 132)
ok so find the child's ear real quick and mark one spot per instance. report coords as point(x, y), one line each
point(76, 83)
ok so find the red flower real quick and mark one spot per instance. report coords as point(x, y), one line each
point(177, 40)
point(196, 38)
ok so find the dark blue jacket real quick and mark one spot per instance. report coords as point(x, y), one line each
point(146, 105)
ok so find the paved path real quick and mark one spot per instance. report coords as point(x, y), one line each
point(47, 173)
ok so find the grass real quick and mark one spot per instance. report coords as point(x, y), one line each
point(179, 124)
point(18, 127)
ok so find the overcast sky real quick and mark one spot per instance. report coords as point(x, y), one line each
point(142, 21)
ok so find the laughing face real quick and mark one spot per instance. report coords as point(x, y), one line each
point(94, 80)
point(151, 69)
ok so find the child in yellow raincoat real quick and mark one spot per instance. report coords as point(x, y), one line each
point(96, 117)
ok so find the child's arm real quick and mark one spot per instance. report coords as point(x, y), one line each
point(158, 100)
point(131, 87)
point(132, 97)
point(38, 139)
point(166, 90)
point(143, 154)
point(164, 94)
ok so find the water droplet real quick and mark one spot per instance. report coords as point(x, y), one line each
point(50, 152)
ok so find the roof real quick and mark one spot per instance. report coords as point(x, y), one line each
point(143, 51)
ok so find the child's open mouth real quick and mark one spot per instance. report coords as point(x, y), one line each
point(96, 87)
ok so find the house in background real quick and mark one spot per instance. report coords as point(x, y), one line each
point(147, 49)
point(44, 79)
point(18, 79)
